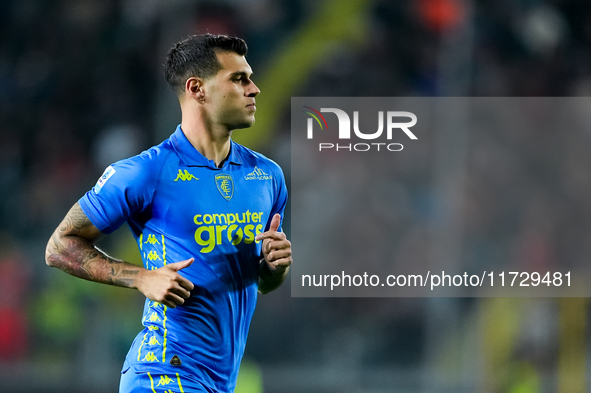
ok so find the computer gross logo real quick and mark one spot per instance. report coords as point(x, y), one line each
point(393, 124)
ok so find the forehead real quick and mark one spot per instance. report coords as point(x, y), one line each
point(232, 62)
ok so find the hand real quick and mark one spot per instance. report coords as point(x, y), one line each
point(165, 285)
point(276, 248)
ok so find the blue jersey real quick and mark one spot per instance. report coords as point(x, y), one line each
point(179, 205)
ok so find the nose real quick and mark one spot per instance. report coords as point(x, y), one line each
point(253, 90)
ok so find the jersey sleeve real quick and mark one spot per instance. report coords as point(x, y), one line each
point(280, 200)
point(126, 188)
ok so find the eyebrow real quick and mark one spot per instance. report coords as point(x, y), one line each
point(240, 73)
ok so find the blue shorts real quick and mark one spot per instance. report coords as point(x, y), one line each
point(145, 382)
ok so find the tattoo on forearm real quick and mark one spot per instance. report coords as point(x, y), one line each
point(74, 254)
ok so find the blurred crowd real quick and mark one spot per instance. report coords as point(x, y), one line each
point(80, 87)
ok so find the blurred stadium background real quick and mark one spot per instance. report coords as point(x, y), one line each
point(81, 86)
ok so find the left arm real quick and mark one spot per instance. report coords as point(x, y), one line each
point(276, 257)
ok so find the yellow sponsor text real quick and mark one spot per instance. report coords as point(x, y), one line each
point(233, 228)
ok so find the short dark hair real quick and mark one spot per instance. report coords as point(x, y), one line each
point(196, 56)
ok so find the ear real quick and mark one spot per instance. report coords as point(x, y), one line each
point(194, 89)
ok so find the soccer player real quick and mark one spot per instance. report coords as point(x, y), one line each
point(206, 213)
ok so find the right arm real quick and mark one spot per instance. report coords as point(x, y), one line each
point(71, 249)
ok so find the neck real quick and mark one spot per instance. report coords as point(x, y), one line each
point(211, 141)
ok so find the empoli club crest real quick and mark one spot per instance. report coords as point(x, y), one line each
point(225, 185)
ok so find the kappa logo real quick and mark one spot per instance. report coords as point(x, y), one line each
point(150, 357)
point(152, 239)
point(154, 317)
point(258, 174)
point(165, 380)
point(153, 304)
point(153, 255)
point(185, 176)
point(225, 185)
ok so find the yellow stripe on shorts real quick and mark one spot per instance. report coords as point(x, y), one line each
point(165, 334)
point(178, 379)
point(152, 382)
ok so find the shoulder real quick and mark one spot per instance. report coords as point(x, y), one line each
point(141, 169)
point(147, 161)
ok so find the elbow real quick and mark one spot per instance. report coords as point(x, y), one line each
point(264, 287)
point(263, 291)
point(48, 259)
point(50, 254)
